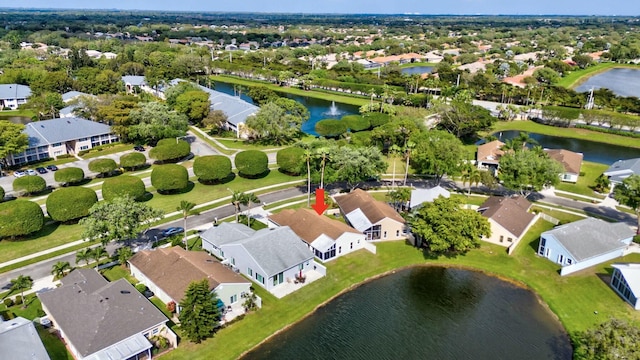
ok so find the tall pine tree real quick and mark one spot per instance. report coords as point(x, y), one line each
point(199, 314)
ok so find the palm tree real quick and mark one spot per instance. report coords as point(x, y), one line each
point(524, 139)
point(323, 152)
point(98, 253)
point(472, 176)
point(83, 255)
point(185, 208)
point(307, 155)
point(22, 283)
point(124, 254)
point(59, 269)
point(408, 148)
point(236, 198)
point(393, 151)
point(247, 200)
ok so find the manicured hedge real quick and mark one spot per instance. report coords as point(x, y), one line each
point(251, 163)
point(361, 138)
point(170, 150)
point(212, 169)
point(103, 166)
point(376, 119)
point(20, 217)
point(291, 160)
point(132, 161)
point(29, 184)
point(1, 194)
point(356, 122)
point(121, 186)
point(69, 176)
point(331, 127)
point(66, 204)
point(169, 178)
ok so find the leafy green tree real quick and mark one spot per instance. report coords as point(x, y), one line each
point(278, 122)
point(447, 228)
point(22, 283)
point(262, 95)
point(119, 219)
point(169, 178)
point(583, 61)
point(528, 170)
point(212, 169)
point(437, 153)
point(215, 120)
point(170, 150)
point(83, 255)
point(602, 184)
point(30, 184)
point(613, 339)
point(546, 75)
point(124, 254)
point(194, 104)
point(132, 161)
point(396, 132)
point(290, 160)
point(251, 163)
point(154, 121)
point(460, 117)
point(185, 208)
point(123, 185)
point(199, 315)
point(69, 175)
point(67, 204)
point(354, 165)
point(356, 122)
point(399, 196)
point(628, 193)
point(246, 200)
point(60, 269)
point(13, 140)
point(46, 106)
point(173, 92)
point(103, 167)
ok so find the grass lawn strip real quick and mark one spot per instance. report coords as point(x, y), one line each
point(591, 171)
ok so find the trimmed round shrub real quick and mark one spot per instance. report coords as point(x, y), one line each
point(170, 150)
point(66, 204)
point(29, 184)
point(1, 194)
point(69, 176)
point(356, 122)
point(133, 161)
point(331, 127)
point(361, 138)
point(377, 119)
point(169, 178)
point(123, 185)
point(8, 302)
point(212, 168)
point(291, 160)
point(103, 166)
point(251, 163)
point(18, 300)
point(19, 218)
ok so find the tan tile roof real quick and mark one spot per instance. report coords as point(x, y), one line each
point(373, 209)
point(173, 269)
point(571, 161)
point(510, 212)
point(308, 225)
point(490, 152)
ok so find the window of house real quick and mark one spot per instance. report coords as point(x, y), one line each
point(351, 245)
point(397, 233)
point(84, 147)
point(569, 261)
point(340, 250)
point(384, 235)
point(250, 271)
point(373, 233)
point(155, 331)
point(509, 239)
point(501, 238)
point(260, 278)
point(233, 299)
point(233, 261)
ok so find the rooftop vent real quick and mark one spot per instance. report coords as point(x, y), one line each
point(125, 292)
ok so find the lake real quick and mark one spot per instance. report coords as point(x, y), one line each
point(622, 81)
point(592, 151)
point(318, 109)
point(16, 119)
point(425, 313)
point(417, 70)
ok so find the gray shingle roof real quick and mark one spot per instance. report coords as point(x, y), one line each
point(622, 169)
point(70, 95)
point(94, 313)
point(63, 129)
point(14, 91)
point(134, 80)
point(226, 233)
point(19, 340)
point(591, 237)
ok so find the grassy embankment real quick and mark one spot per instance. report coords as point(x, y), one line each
point(575, 78)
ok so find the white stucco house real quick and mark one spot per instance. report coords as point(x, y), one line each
point(509, 218)
point(13, 95)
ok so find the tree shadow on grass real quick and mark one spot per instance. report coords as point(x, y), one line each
point(259, 176)
point(47, 229)
point(146, 197)
point(227, 179)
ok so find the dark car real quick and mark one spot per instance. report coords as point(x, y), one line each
point(138, 148)
point(52, 167)
point(41, 170)
point(172, 231)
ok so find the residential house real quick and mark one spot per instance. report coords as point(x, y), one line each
point(509, 218)
point(622, 169)
point(168, 272)
point(68, 111)
point(489, 154)
point(135, 83)
point(272, 258)
point(19, 340)
point(584, 243)
point(571, 162)
point(625, 280)
point(376, 219)
point(421, 196)
point(13, 95)
point(62, 136)
point(326, 238)
point(98, 319)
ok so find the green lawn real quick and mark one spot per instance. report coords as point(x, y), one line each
point(118, 272)
point(591, 172)
point(51, 235)
point(101, 151)
point(241, 145)
point(5, 114)
point(560, 215)
point(55, 347)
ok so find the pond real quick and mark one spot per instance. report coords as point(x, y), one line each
point(417, 70)
point(592, 151)
point(16, 119)
point(318, 109)
point(622, 81)
point(425, 313)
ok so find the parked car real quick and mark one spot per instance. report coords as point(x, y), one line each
point(172, 231)
point(19, 173)
point(138, 148)
point(41, 170)
point(52, 167)
point(31, 172)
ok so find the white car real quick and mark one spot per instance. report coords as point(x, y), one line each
point(32, 172)
point(19, 174)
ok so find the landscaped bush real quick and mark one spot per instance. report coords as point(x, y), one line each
point(376, 119)
point(133, 160)
point(636, 239)
point(361, 138)
point(69, 176)
point(1, 194)
point(66, 204)
point(123, 185)
point(356, 122)
point(609, 130)
point(141, 287)
point(169, 178)
point(212, 169)
point(291, 160)
point(331, 127)
point(103, 166)
point(8, 302)
point(20, 217)
point(169, 150)
point(29, 184)
point(251, 163)
point(18, 300)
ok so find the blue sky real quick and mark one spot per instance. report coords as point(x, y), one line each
point(521, 7)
